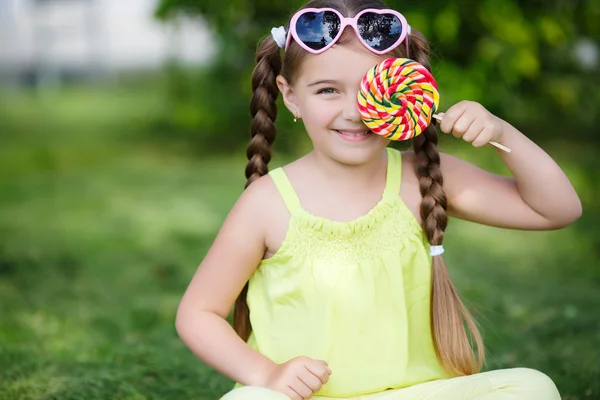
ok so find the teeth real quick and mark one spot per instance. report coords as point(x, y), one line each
point(353, 134)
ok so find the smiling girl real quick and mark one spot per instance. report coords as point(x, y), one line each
point(334, 261)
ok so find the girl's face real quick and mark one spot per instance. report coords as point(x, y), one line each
point(324, 95)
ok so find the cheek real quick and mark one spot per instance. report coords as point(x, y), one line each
point(320, 113)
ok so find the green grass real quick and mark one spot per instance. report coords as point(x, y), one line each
point(101, 231)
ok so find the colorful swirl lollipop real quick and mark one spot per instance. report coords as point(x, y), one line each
point(398, 98)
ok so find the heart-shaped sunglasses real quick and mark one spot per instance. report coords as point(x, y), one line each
point(317, 29)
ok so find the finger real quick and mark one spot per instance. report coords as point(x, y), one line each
point(324, 363)
point(292, 394)
point(311, 380)
point(452, 115)
point(462, 126)
point(483, 138)
point(302, 389)
point(320, 370)
point(474, 131)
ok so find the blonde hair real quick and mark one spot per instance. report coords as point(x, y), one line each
point(452, 340)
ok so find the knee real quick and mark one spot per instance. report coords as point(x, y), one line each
point(537, 384)
point(253, 393)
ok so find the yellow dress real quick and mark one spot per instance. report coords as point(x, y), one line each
point(355, 294)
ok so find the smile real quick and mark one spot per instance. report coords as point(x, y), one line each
point(353, 135)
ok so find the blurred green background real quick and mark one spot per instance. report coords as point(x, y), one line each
point(112, 188)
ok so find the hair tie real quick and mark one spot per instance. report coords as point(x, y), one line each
point(279, 36)
point(436, 250)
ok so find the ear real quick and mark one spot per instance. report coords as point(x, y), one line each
point(289, 98)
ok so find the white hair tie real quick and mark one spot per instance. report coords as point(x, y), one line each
point(436, 250)
point(279, 36)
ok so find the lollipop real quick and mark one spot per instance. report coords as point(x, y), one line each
point(397, 99)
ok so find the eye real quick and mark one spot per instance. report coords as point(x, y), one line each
point(327, 91)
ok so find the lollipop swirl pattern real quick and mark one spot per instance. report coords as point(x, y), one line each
point(398, 98)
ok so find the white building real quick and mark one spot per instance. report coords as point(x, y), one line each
point(50, 39)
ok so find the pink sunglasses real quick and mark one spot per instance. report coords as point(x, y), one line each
point(317, 29)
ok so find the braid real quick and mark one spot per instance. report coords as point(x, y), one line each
point(434, 204)
point(448, 313)
point(263, 109)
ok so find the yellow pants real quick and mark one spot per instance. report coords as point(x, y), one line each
point(506, 384)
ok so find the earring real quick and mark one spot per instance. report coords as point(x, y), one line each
point(296, 117)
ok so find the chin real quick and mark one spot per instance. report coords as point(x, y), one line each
point(358, 155)
point(352, 153)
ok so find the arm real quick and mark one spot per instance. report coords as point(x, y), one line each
point(539, 196)
point(201, 316)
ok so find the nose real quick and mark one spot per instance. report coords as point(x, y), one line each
point(350, 111)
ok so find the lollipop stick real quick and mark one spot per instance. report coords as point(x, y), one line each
point(498, 145)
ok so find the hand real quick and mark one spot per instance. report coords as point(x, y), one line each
point(473, 123)
point(299, 378)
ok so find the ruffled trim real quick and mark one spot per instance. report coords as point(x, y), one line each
point(309, 235)
point(388, 204)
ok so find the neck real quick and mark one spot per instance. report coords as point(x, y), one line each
point(348, 175)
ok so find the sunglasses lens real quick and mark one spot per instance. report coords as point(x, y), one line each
point(379, 31)
point(318, 29)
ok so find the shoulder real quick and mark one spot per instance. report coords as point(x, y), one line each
point(260, 195)
point(456, 172)
point(449, 164)
point(461, 175)
point(409, 157)
point(465, 183)
point(262, 203)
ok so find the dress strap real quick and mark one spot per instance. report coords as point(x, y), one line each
point(394, 170)
point(286, 190)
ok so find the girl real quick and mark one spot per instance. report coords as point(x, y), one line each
point(335, 259)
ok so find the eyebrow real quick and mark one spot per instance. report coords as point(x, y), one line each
point(323, 81)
